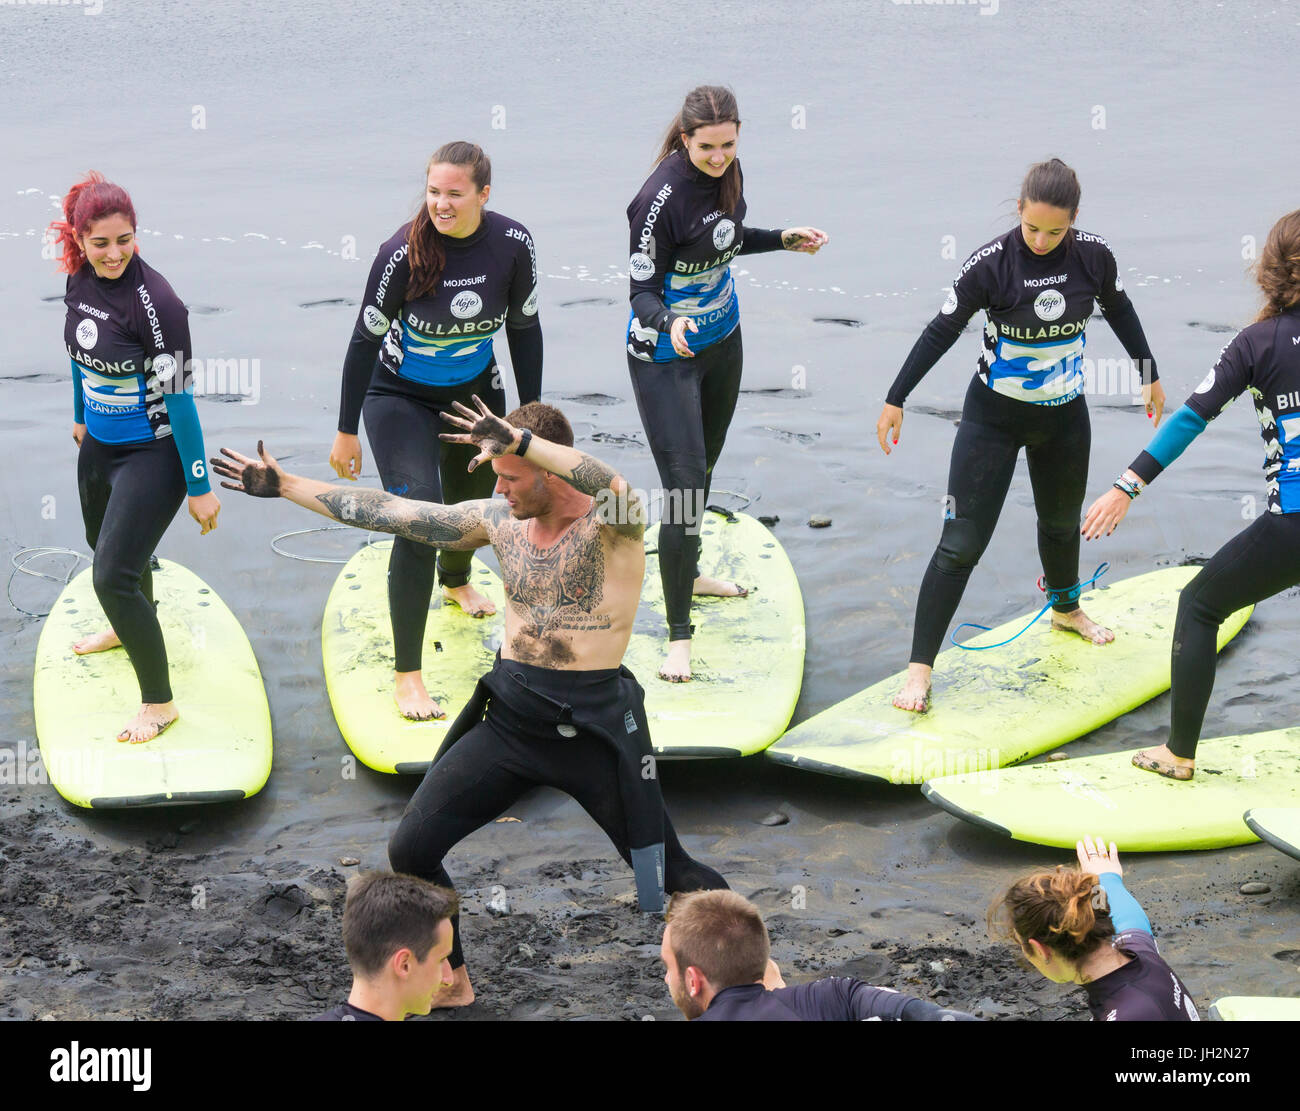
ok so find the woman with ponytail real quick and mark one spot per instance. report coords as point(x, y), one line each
point(1085, 928)
point(683, 335)
point(439, 291)
point(140, 447)
point(1037, 284)
point(1263, 559)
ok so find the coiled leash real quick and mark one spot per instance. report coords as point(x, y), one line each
point(1054, 598)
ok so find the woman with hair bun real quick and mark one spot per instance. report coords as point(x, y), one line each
point(1263, 559)
point(440, 289)
point(683, 334)
point(1037, 283)
point(134, 421)
point(1085, 928)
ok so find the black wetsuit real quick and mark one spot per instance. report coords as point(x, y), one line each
point(682, 245)
point(433, 351)
point(129, 342)
point(1028, 392)
point(1262, 560)
point(345, 1012)
point(835, 999)
point(582, 732)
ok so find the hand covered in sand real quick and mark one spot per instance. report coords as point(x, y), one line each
point(493, 435)
point(261, 480)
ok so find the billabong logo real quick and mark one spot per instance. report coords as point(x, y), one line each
point(164, 368)
point(466, 304)
point(530, 306)
point(950, 303)
point(723, 234)
point(87, 334)
point(376, 322)
point(1049, 305)
point(640, 266)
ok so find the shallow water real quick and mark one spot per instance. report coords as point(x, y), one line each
point(919, 121)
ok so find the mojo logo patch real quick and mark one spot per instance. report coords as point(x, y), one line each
point(530, 306)
point(87, 334)
point(640, 266)
point(723, 233)
point(1049, 305)
point(950, 302)
point(466, 304)
point(164, 368)
point(376, 322)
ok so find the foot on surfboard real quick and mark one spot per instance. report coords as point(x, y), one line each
point(1163, 762)
point(152, 719)
point(98, 642)
point(719, 588)
point(413, 700)
point(677, 665)
point(470, 600)
point(915, 695)
point(1079, 622)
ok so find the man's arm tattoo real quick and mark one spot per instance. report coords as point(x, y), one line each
point(458, 527)
point(617, 504)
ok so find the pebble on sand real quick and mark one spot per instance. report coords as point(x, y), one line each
point(769, 521)
point(1058, 756)
point(499, 906)
point(819, 520)
point(349, 861)
point(1254, 888)
point(776, 818)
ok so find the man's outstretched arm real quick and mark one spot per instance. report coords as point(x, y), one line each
point(460, 527)
point(617, 504)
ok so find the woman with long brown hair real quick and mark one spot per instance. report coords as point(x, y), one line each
point(683, 335)
point(1263, 559)
point(1085, 928)
point(439, 290)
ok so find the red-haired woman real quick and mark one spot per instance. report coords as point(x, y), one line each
point(1262, 560)
point(141, 447)
point(439, 291)
point(683, 334)
point(1085, 928)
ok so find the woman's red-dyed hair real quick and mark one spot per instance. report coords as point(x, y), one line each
point(91, 199)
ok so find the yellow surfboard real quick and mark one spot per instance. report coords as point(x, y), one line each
point(747, 657)
point(219, 749)
point(1003, 705)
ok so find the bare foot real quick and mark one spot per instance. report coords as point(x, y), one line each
point(772, 978)
point(97, 642)
point(413, 701)
point(470, 600)
point(915, 695)
point(152, 719)
point(1079, 622)
point(677, 666)
point(718, 588)
point(1163, 762)
point(460, 993)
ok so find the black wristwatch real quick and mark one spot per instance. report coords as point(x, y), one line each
point(525, 438)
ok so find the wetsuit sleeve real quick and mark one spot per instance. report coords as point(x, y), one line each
point(1231, 375)
point(78, 403)
point(840, 999)
point(385, 294)
point(1123, 318)
point(523, 328)
point(1125, 912)
point(526, 357)
point(648, 265)
point(966, 297)
point(188, 433)
point(758, 240)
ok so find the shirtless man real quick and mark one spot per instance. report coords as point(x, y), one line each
point(558, 708)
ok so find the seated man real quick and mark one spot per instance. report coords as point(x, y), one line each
point(397, 933)
point(716, 950)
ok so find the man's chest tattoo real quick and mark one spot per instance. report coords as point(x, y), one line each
point(559, 589)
